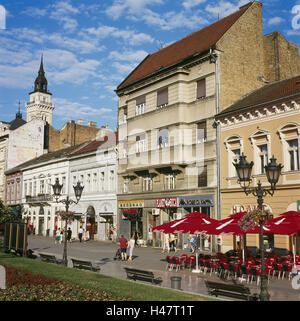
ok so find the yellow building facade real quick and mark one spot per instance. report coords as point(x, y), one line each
point(264, 123)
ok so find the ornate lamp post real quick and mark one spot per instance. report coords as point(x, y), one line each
point(57, 193)
point(273, 171)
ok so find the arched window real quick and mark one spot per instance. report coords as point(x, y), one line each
point(261, 144)
point(290, 138)
point(234, 146)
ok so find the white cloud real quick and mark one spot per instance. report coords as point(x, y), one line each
point(188, 4)
point(70, 109)
point(133, 56)
point(129, 6)
point(275, 21)
point(124, 68)
point(224, 8)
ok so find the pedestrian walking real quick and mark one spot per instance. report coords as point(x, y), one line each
point(192, 239)
point(166, 244)
point(131, 247)
point(123, 247)
point(80, 233)
point(57, 236)
point(69, 235)
point(136, 238)
point(61, 235)
point(172, 240)
point(114, 236)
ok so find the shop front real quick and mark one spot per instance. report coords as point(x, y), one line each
point(202, 204)
point(132, 219)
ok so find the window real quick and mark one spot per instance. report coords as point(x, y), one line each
point(102, 177)
point(25, 189)
point(294, 154)
point(147, 183)
point(74, 180)
point(42, 186)
point(95, 182)
point(34, 189)
point(202, 176)
point(126, 186)
point(163, 138)
point(125, 114)
point(140, 105)
point(201, 132)
point(88, 182)
point(170, 181)
point(111, 180)
point(140, 144)
point(64, 190)
point(234, 149)
point(263, 156)
point(30, 189)
point(201, 88)
point(162, 98)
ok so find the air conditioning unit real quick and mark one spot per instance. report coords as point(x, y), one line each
point(155, 211)
point(177, 216)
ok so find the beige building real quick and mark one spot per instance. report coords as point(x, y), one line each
point(168, 144)
point(264, 123)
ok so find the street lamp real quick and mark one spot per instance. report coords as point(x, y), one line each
point(273, 171)
point(57, 188)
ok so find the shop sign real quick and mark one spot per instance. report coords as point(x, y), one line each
point(247, 208)
point(131, 204)
point(167, 202)
point(298, 206)
point(193, 201)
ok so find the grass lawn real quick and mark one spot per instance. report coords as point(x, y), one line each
point(117, 287)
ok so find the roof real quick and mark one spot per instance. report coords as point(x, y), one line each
point(46, 158)
point(100, 143)
point(276, 91)
point(17, 122)
point(197, 42)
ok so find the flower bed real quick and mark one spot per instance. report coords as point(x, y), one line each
point(26, 286)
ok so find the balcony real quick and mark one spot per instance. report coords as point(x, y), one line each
point(40, 200)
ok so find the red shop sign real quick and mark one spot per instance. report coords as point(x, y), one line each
point(167, 202)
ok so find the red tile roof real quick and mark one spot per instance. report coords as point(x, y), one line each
point(102, 143)
point(277, 91)
point(197, 42)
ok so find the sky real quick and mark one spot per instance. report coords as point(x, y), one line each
point(89, 47)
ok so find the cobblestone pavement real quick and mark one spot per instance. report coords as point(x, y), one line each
point(103, 253)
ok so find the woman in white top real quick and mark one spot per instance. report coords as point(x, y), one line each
point(131, 246)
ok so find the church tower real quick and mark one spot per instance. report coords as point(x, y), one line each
point(40, 105)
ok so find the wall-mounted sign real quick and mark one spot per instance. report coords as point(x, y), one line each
point(167, 202)
point(193, 201)
point(131, 204)
point(298, 206)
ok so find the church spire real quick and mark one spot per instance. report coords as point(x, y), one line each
point(41, 83)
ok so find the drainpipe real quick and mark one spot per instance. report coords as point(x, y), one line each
point(217, 126)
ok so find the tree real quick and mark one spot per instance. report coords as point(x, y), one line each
point(7, 214)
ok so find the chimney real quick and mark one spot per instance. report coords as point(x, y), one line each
point(92, 124)
point(80, 122)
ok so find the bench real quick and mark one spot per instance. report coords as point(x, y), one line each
point(230, 290)
point(49, 258)
point(142, 275)
point(86, 265)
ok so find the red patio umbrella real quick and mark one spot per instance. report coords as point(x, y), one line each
point(193, 223)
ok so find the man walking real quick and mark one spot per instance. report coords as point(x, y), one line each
point(123, 247)
point(80, 232)
point(69, 235)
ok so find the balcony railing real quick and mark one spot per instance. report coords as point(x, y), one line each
point(42, 198)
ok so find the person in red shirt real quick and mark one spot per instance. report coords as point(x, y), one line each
point(123, 247)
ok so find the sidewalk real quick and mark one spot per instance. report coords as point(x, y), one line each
point(102, 254)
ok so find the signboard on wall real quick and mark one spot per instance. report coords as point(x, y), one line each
point(131, 204)
point(298, 206)
point(166, 202)
point(193, 201)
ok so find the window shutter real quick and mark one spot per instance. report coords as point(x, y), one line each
point(162, 97)
point(201, 88)
point(140, 100)
point(202, 176)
